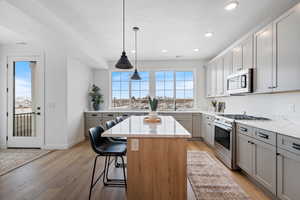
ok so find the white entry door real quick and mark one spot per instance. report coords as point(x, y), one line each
point(25, 102)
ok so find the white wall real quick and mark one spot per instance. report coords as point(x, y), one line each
point(280, 104)
point(101, 77)
point(79, 81)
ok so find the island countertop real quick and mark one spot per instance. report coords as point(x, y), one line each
point(135, 126)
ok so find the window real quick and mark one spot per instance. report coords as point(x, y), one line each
point(127, 93)
point(140, 92)
point(165, 90)
point(174, 89)
point(184, 90)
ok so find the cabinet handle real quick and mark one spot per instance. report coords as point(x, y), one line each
point(94, 115)
point(110, 115)
point(277, 154)
point(262, 135)
point(243, 129)
point(296, 146)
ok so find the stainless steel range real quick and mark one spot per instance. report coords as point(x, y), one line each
point(225, 137)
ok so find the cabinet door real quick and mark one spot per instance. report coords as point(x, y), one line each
point(227, 69)
point(187, 124)
point(288, 51)
point(264, 60)
point(288, 176)
point(210, 133)
point(213, 79)
point(220, 76)
point(247, 49)
point(208, 80)
point(203, 127)
point(91, 122)
point(197, 125)
point(237, 53)
point(264, 165)
point(244, 153)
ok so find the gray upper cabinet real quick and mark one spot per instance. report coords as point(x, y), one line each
point(237, 53)
point(288, 176)
point(264, 164)
point(227, 69)
point(220, 77)
point(263, 60)
point(287, 42)
point(247, 49)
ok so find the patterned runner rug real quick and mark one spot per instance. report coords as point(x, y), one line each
point(210, 180)
point(11, 159)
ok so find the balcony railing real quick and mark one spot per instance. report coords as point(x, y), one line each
point(23, 124)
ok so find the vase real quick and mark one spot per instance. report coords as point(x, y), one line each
point(96, 106)
point(153, 114)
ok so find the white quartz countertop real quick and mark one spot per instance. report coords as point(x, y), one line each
point(281, 126)
point(143, 111)
point(135, 126)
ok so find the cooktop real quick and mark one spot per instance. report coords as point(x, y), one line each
point(242, 117)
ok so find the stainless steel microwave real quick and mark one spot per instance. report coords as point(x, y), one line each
point(240, 82)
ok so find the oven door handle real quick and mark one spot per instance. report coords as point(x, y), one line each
point(223, 127)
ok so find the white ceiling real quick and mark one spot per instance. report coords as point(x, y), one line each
point(9, 37)
point(176, 25)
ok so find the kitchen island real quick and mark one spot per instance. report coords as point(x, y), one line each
point(156, 158)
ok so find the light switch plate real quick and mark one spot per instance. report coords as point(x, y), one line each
point(134, 145)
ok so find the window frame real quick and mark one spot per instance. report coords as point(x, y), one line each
point(152, 84)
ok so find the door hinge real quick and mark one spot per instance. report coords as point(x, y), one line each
point(6, 138)
point(6, 89)
point(7, 66)
point(7, 114)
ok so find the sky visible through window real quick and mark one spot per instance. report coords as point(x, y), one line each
point(22, 80)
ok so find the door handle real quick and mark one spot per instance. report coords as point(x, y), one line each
point(265, 136)
point(38, 113)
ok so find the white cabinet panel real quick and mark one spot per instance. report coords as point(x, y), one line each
point(288, 50)
point(227, 69)
point(213, 79)
point(264, 60)
point(247, 47)
point(237, 53)
point(208, 81)
point(288, 176)
point(220, 77)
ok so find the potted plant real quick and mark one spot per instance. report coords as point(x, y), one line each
point(96, 97)
point(153, 103)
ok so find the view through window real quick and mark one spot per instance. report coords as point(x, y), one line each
point(174, 89)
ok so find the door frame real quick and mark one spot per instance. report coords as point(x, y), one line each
point(41, 76)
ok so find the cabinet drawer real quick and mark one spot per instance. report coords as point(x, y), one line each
point(289, 143)
point(95, 114)
point(108, 115)
point(246, 130)
point(265, 136)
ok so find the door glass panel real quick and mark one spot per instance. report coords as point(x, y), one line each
point(23, 99)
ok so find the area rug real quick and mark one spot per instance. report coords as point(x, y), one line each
point(210, 180)
point(11, 159)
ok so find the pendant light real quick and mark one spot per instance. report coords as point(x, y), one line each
point(123, 63)
point(135, 75)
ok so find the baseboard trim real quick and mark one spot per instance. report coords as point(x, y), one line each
point(55, 146)
point(71, 144)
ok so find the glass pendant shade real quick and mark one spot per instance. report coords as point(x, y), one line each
point(123, 62)
point(135, 75)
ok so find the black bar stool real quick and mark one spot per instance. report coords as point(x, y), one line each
point(119, 119)
point(102, 146)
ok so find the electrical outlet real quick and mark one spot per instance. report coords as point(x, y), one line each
point(134, 145)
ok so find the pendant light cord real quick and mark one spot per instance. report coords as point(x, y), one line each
point(135, 62)
point(123, 25)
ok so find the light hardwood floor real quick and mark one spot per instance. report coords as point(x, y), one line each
point(66, 175)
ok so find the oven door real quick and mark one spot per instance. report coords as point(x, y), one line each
point(223, 135)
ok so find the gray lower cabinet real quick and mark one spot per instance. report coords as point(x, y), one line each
point(258, 159)
point(264, 164)
point(244, 153)
point(288, 175)
point(197, 125)
point(92, 120)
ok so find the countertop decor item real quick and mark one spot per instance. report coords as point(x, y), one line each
point(123, 62)
point(135, 75)
point(214, 104)
point(96, 97)
point(149, 119)
point(153, 102)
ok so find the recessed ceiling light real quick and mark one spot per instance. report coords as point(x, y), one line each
point(208, 34)
point(231, 5)
point(132, 51)
point(21, 43)
point(196, 50)
point(164, 51)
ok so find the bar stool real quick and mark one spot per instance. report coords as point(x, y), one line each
point(103, 147)
point(119, 119)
